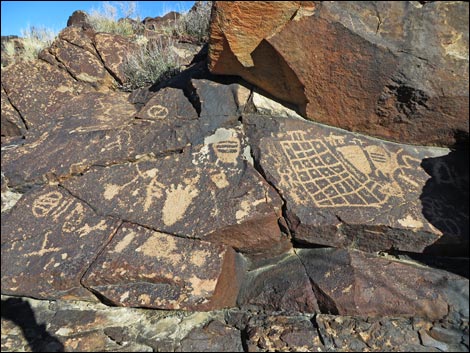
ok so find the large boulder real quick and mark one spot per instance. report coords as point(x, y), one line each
point(350, 282)
point(397, 70)
point(349, 190)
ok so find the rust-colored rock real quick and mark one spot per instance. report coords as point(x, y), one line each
point(349, 282)
point(49, 239)
point(395, 70)
point(144, 268)
point(349, 190)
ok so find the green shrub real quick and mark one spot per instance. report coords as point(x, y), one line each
point(153, 62)
point(196, 23)
point(106, 19)
point(34, 39)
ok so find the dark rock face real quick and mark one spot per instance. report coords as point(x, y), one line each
point(393, 70)
point(48, 241)
point(279, 287)
point(214, 337)
point(37, 90)
point(159, 22)
point(282, 334)
point(204, 198)
point(343, 189)
point(143, 268)
point(355, 283)
point(78, 18)
point(244, 209)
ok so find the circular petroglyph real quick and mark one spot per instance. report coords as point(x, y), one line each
point(158, 112)
point(46, 203)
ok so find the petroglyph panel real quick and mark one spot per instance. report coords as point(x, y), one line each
point(196, 194)
point(94, 111)
point(168, 102)
point(144, 268)
point(330, 172)
point(345, 189)
point(48, 241)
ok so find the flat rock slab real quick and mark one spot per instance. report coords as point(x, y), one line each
point(213, 337)
point(103, 128)
point(211, 193)
point(348, 190)
point(58, 154)
point(37, 89)
point(113, 50)
point(144, 268)
point(280, 286)
point(49, 239)
point(94, 111)
point(350, 282)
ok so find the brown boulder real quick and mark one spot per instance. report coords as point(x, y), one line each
point(349, 282)
point(113, 49)
point(348, 190)
point(279, 286)
point(282, 334)
point(144, 268)
point(161, 22)
point(11, 122)
point(78, 18)
point(395, 70)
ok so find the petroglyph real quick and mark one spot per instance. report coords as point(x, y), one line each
point(227, 151)
point(178, 199)
point(158, 112)
point(163, 247)
point(220, 179)
point(437, 211)
point(332, 172)
point(74, 219)
point(46, 204)
point(154, 187)
point(44, 250)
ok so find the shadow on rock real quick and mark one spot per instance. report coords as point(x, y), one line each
point(20, 313)
point(445, 201)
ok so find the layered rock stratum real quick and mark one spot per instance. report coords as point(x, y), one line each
point(205, 213)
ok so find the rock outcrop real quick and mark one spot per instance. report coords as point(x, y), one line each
point(396, 70)
point(212, 200)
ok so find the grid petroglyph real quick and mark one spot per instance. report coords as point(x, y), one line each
point(334, 171)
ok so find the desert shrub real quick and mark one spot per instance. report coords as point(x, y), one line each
point(34, 39)
point(106, 19)
point(196, 23)
point(151, 63)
